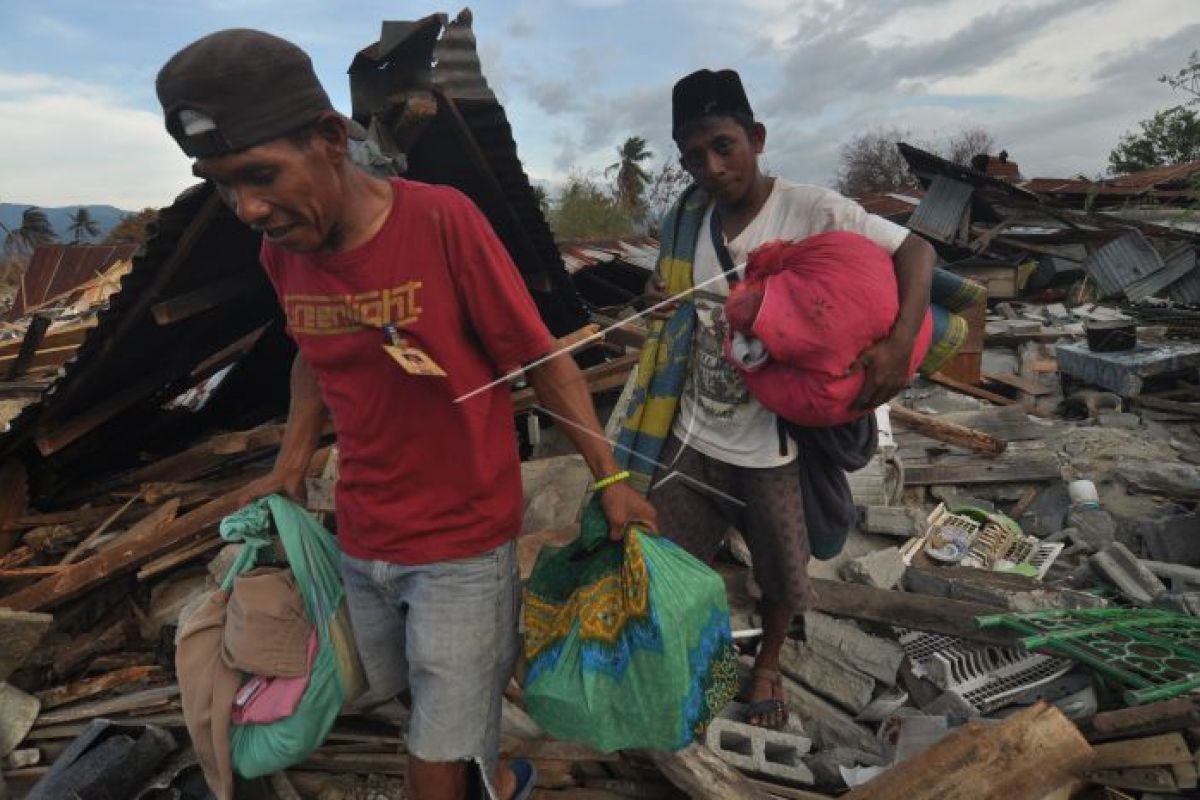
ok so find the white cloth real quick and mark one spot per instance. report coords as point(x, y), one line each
point(717, 415)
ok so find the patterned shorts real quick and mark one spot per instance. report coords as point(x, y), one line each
point(705, 497)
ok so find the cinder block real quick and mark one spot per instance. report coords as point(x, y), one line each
point(843, 641)
point(773, 754)
point(1122, 569)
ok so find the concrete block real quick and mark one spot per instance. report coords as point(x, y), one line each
point(882, 569)
point(1120, 567)
point(903, 521)
point(825, 723)
point(844, 641)
point(772, 754)
point(1175, 540)
point(834, 680)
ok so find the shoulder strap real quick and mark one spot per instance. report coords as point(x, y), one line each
point(718, 243)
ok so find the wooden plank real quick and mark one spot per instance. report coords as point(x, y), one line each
point(1172, 406)
point(1176, 714)
point(908, 610)
point(132, 552)
point(180, 557)
point(601, 377)
point(136, 701)
point(51, 438)
point(29, 346)
point(948, 432)
point(189, 304)
point(1029, 755)
point(75, 552)
point(1017, 382)
point(90, 687)
point(1152, 751)
point(1001, 470)
point(973, 391)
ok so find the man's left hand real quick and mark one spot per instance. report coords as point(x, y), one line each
point(886, 366)
point(622, 505)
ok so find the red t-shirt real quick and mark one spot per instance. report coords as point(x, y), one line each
point(421, 478)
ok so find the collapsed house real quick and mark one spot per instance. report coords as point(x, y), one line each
point(985, 582)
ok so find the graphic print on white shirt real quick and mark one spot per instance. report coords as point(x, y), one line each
point(717, 414)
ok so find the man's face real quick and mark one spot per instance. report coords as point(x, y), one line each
point(721, 157)
point(287, 191)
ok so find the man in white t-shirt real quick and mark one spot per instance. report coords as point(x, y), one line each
point(728, 461)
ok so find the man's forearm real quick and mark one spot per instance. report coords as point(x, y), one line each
point(306, 419)
point(914, 261)
point(562, 389)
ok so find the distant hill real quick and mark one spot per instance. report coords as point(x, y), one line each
point(60, 218)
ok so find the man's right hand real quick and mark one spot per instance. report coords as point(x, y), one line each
point(655, 293)
point(288, 484)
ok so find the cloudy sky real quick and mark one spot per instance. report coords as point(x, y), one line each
point(1055, 81)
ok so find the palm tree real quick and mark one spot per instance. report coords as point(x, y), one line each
point(631, 177)
point(82, 225)
point(35, 230)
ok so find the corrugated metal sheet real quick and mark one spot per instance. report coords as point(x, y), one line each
point(640, 251)
point(56, 269)
point(1177, 264)
point(1123, 261)
point(941, 211)
point(1186, 289)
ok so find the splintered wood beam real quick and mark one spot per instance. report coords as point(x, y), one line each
point(14, 494)
point(949, 432)
point(973, 391)
point(130, 552)
point(1030, 754)
point(50, 440)
point(29, 346)
point(189, 304)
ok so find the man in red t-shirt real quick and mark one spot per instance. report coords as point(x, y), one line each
point(404, 305)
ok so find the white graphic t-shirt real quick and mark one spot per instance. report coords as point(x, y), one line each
point(717, 415)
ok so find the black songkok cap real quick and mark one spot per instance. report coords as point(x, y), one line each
point(705, 93)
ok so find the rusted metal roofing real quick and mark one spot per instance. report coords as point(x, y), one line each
point(640, 251)
point(893, 205)
point(56, 269)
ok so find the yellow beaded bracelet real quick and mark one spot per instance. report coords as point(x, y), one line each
point(604, 483)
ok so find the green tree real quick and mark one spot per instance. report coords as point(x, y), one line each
point(132, 229)
point(583, 210)
point(35, 231)
point(632, 178)
point(1171, 136)
point(82, 225)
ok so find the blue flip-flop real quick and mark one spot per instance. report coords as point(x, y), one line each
point(526, 774)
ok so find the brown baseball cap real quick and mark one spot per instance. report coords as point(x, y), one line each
point(238, 88)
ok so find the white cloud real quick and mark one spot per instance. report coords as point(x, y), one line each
point(68, 142)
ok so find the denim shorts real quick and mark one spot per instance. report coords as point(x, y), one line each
point(448, 632)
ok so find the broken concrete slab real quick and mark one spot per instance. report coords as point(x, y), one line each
point(1178, 574)
point(825, 723)
point(827, 765)
point(1120, 567)
point(834, 680)
point(844, 641)
point(1094, 528)
point(1175, 540)
point(1174, 480)
point(882, 569)
point(1048, 511)
point(904, 521)
point(20, 632)
point(1119, 419)
point(1004, 590)
point(772, 754)
point(18, 712)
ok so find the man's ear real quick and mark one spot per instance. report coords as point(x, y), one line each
point(330, 134)
point(759, 137)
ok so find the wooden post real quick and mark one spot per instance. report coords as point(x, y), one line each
point(949, 432)
point(29, 346)
point(1030, 754)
